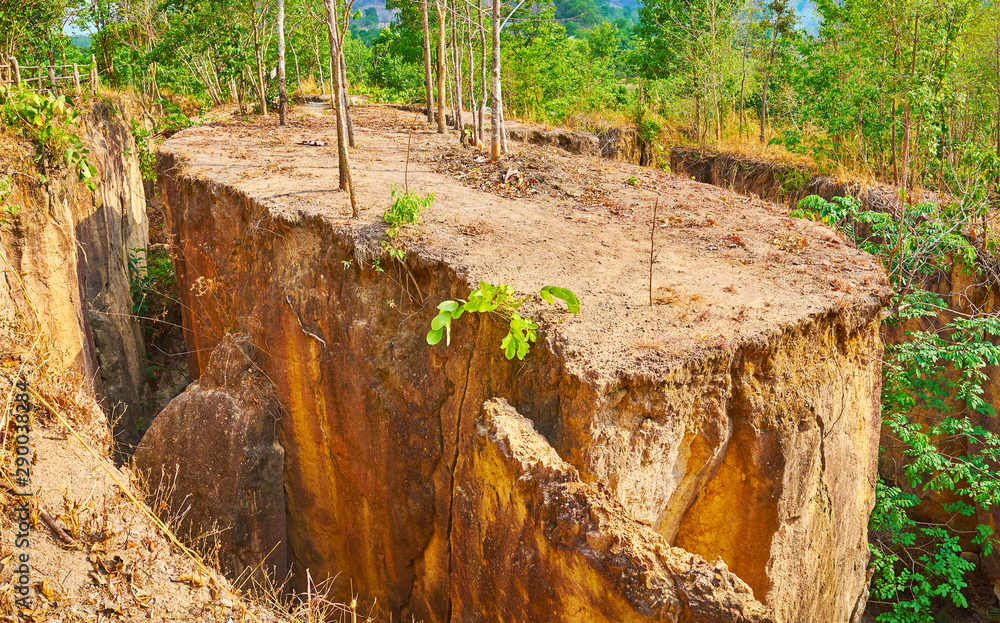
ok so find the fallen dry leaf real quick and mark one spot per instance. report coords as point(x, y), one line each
point(195, 580)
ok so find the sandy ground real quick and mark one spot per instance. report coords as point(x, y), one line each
point(115, 564)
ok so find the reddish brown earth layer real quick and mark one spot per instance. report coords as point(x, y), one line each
point(735, 417)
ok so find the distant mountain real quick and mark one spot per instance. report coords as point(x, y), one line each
point(809, 17)
point(384, 14)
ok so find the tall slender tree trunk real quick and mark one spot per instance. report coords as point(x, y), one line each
point(939, 87)
point(861, 85)
point(319, 68)
point(496, 102)
point(236, 94)
point(718, 116)
point(211, 69)
point(427, 61)
point(449, 67)
point(282, 86)
point(261, 87)
point(697, 105)
point(951, 135)
point(442, 58)
point(298, 75)
point(473, 106)
point(906, 182)
point(347, 101)
point(918, 163)
point(892, 145)
point(329, 69)
point(743, 87)
point(338, 99)
point(767, 79)
point(482, 72)
point(156, 86)
point(996, 76)
point(457, 63)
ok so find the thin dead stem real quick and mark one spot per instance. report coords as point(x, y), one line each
point(652, 248)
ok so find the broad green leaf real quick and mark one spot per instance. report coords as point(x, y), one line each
point(441, 320)
point(572, 302)
point(434, 336)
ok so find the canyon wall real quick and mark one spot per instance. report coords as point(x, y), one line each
point(755, 448)
point(212, 454)
point(967, 291)
point(65, 261)
point(777, 181)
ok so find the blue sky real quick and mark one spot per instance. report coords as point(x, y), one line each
point(808, 16)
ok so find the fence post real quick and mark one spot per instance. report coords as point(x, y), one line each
point(76, 80)
point(93, 73)
point(40, 75)
point(16, 69)
point(52, 78)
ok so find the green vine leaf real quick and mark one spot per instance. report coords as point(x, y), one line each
point(499, 299)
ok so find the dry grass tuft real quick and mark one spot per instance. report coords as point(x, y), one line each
point(188, 105)
point(315, 604)
point(593, 121)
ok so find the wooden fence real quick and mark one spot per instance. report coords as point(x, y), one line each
point(49, 77)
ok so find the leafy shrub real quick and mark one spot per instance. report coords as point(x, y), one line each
point(153, 284)
point(831, 212)
point(147, 159)
point(51, 123)
point(406, 207)
point(651, 133)
point(405, 210)
point(488, 298)
point(6, 190)
point(173, 120)
point(917, 564)
point(793, 179)
point(400, 80)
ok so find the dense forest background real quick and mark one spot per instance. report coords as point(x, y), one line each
point(900, 94)
point(906, 92)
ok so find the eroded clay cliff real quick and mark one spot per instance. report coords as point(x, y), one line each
point(782, 182)
point(569, 550)
point(736, 418)
point(213, 455)
point(65, 258)
point(967, 291)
